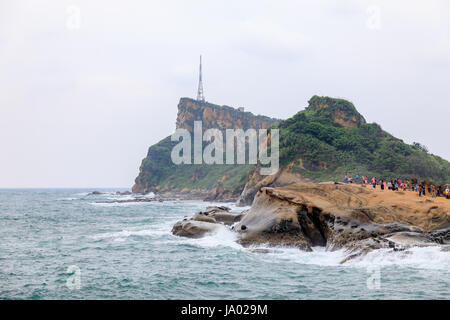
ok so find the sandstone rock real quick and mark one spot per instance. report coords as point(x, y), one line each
point(193, 228)
point(205, 221)
point(200, 216)
point(411, 239)
point(219, 214)
point(342, 216)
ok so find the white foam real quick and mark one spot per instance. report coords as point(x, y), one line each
point(222, 237)
point(114, 196)
point(82, 194)
point(319, 256)
point(116, 204)
point(431, 257)
point(119, 197)
point(127, 233)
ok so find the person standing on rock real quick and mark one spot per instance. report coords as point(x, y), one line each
point(433, 191)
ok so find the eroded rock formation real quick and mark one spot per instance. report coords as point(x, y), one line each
point(353, 217)
point(206, 221)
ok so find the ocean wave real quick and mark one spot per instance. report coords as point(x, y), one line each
point(117, 204)
point(127, 233)
point(67, 199)
point(114, 196)
point(431, 257)
point(223, 237)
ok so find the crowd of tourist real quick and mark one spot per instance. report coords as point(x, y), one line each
point(423, 188)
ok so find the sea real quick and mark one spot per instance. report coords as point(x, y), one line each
point(69, 244)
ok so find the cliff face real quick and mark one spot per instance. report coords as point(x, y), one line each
point(157, 173)
point(220, 117)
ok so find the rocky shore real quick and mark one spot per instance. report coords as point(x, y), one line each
point(331, 215)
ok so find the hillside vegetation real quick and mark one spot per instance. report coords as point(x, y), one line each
point(330, 139)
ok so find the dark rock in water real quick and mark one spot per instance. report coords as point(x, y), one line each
point(211, 209)
point(205, 221)
point(441, 236)
point(193, 228)
point(95, 193)
point(222, 214)
point(200, 216)
point(123, 193)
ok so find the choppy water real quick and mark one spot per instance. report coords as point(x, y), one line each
point(50, 239)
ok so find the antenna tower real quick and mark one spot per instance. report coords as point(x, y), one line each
point(200, 96)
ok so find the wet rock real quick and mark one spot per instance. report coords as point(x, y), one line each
point(123, 193)
point(222, 214)
point(193, 228)
point(211, 219)
point(340, 217)
point(200, 216)
point(95, 193)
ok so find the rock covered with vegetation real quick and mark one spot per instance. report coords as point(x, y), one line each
point(158, 174)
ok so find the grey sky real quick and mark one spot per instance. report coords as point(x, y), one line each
point(79, 107)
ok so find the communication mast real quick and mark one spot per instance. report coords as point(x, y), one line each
point(200, 96)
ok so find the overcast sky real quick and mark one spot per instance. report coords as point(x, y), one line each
point(83, 96)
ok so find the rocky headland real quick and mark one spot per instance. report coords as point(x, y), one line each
point(326, 140)
point(295, 207)
point(336, 216)
point(158, 174)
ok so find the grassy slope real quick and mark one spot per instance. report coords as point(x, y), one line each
point(163, 172)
